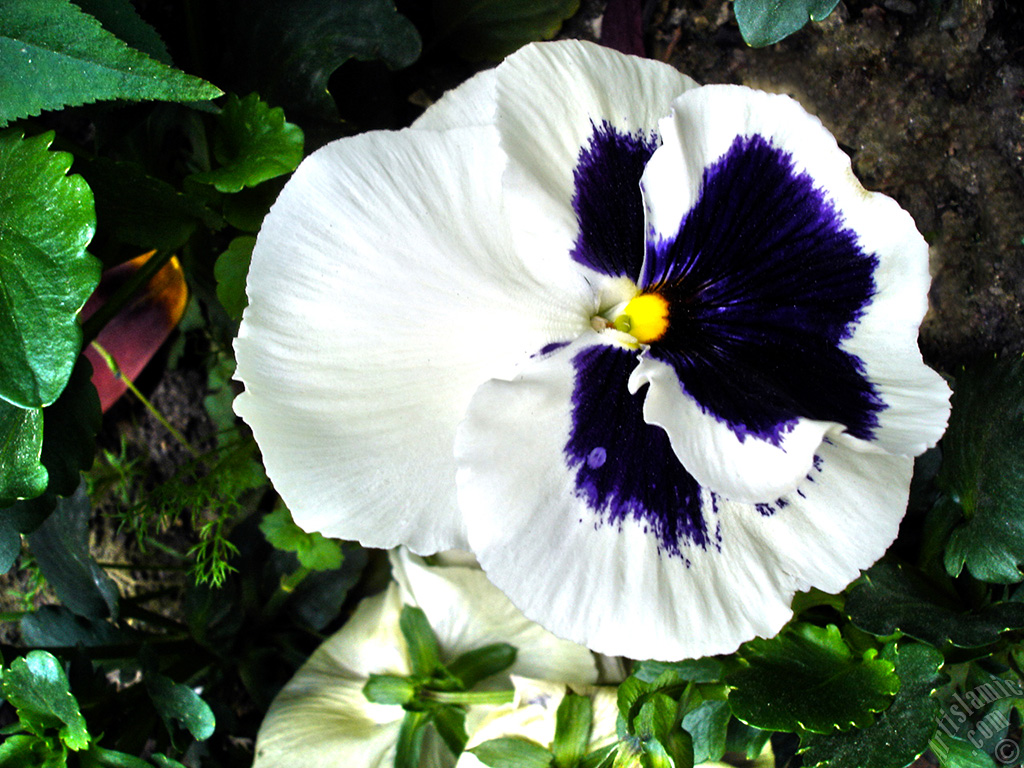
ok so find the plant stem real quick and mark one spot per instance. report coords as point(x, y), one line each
point(284, 590)
point(92, 327)
point(114, 369)
point(468, 697)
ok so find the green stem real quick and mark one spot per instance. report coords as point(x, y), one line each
point(284, 590)
point(91, 328)
point(468, 697)
point(114, 369)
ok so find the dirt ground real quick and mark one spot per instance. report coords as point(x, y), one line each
point(927, 97)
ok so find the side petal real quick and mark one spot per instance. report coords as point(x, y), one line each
point(382, 292)
point(578, 122)
point(770, 226)
point(468, 612)
point(471, 104)
point(618, 548)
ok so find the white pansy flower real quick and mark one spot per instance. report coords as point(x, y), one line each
point(648, 349)
point(322, 719)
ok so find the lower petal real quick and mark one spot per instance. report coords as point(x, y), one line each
point(653, 565)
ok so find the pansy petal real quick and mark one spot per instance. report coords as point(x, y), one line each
point(578, 122)
point(381, 293)
point(650, 570)
point(468, 612)
point(807, 290)
point(469, 105)
point(321, 717)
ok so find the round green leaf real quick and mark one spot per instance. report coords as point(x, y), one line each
point(983, 472)
point(46, 221)
point(763, 22)
point(892, 598)
point(175, 701)
point(38, 688)
point(809, 679)
point(901, 733)
point(22, 475)
point(253, 143)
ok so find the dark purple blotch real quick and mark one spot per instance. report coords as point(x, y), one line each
point(624, 467)
point(608, 203)
point(764, 281)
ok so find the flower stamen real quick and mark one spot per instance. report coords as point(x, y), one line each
point(645, 317)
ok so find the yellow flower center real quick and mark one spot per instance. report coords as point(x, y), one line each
point(645, 317)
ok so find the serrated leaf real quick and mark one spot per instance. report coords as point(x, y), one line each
point(901, 733)
point(53, 55)
point(763, 22)
point(808, 678)
point(22, 474)
point(38, 688)
point(61, 549)
point(253, 143)
point(46, 221)
point(492, 29)
point(512, 752)
point(892, 597)
point(983, 471)
point(291, 47)
point(120, 18)
point(313, 550)
point(177, 702)
point(231, 270)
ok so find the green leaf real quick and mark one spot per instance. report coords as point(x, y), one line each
point(424, 652)
point(56, 626)
point(955, 752)
point(313, 550)
point(707, 670)
point(492, 29)
point(126, 197)
point(69, 430)
point(61, 548)
point(389, 689)
point(46, 221)
point(10, 542)
point(291, 47)
point(808, 678)
point(54, 55)
point(763, 22)
point(573, 721)
point(708, 724)
point(480, 663)
point(163, 761)
point(110, 758)
point(231, 270)
point(901, 733)
point(120, 18)
point(38, 688)
point(22, 474)
point(656, 718)
point(892, 598)
point(450, 722)
point(983, 471)
point(410, 739)
point(253, 143)
point(175, 701)
point(512, 752)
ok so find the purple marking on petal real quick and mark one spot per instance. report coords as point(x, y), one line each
point(547, 349)
point(764, 281)
point(625, 468)
point(607, 200)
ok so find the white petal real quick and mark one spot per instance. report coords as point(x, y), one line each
point(704, 124)
point(469, 105)
point(382, 292)
point(468, 612)
point(551, 96)
point(744, 469)
point(321, 717)
point(614, 586)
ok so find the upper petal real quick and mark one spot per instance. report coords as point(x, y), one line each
point(580, 512)
point(382, 292)
point(578, 122)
